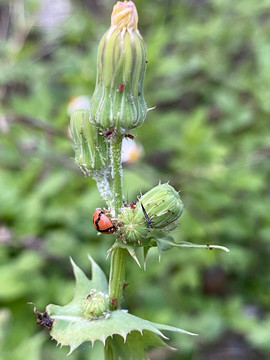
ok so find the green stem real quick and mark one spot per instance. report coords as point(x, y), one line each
point(117, 174)
point(118, 255)
point(108, 352)
point(117, 277)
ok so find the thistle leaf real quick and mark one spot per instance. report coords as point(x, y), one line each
point(82, 289)
point(124, 333)
point(166, 242)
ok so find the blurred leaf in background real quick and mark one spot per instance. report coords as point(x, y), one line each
point(209, 77)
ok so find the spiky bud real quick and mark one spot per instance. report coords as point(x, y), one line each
point(95, 305)
point(163, 206)
point(133, 228)
point(118, 100)
point(159, 208)
point(91, 149)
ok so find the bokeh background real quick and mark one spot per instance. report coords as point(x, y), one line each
point(208, 76)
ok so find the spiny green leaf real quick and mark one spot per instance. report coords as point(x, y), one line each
point(99, 280)
point(185, 244)
point(165, 242)
point(74, 330)
point(71, 328)
point(83, 288)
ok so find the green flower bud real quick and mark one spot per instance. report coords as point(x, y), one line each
point(91, 149)
point(95, 305)
point(162, 205)
point(159, 208)
point(133, 227)
point(118, 100)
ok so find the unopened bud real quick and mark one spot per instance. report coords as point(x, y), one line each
point(133, 228)
point(118, 100)
point(91, 149)
point(95, 304)
point(161, 206)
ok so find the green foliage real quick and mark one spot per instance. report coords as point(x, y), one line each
point(70, 326)
point(208, 76)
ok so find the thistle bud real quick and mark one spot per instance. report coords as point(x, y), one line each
point(91, 149)
point(118, 100)
point(161, 206)
point(95, 305)
point(133, 227)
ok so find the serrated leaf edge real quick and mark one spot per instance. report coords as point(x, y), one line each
point(147, 325)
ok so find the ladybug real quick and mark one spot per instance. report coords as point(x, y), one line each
point(102, 223)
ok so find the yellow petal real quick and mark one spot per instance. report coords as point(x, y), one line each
point(124, 15)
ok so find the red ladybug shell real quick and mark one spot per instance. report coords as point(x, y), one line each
point(102, 223)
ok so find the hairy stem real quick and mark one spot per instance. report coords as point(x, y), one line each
point(117, 277)
point(117, 174)
point(118, 256)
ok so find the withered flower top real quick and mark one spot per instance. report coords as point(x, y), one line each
point(124, 15)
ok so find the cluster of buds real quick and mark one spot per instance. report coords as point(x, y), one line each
point(118, 100)
point(158, 209)
point(117, 105)
point(91, 151)
point(95, 305)
point(163, 206)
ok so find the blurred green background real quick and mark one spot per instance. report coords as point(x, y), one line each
point(209, 77)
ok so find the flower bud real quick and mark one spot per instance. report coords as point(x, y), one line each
point(118, 100)
point(91, 149)
point(96, 304)
point(162, 206)
point(159, 208)
point(133, 228)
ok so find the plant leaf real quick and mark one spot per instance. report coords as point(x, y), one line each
point(74, 330)
point(166, 242)
point(83, 288)
point(71, 328)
